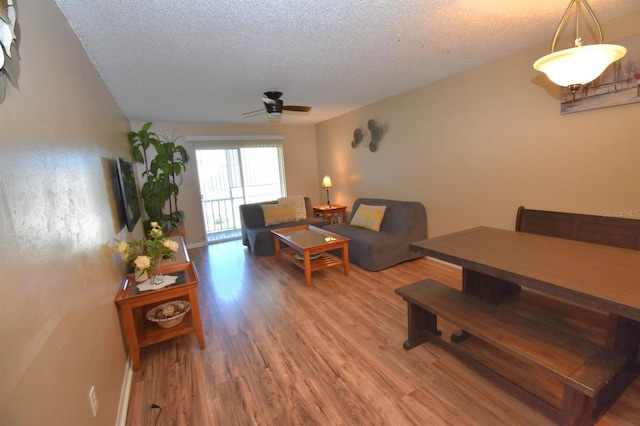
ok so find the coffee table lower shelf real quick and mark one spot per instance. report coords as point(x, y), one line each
point(326, 260)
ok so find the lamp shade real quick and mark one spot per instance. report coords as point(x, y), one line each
point(326, 182)
point(579, 65)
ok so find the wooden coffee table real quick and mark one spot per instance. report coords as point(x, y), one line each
point(311, 244)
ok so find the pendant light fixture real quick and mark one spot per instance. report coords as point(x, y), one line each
point(580, 64)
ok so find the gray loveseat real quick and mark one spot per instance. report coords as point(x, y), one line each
point(258, 237)
point(404, 222)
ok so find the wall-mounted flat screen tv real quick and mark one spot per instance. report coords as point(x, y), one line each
point(129, 203)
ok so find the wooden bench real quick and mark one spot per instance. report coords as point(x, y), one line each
point(582, 369)
point(608, 230)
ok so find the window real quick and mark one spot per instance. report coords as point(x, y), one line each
point(235, 172)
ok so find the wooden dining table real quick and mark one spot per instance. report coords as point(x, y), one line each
point(600, 277)
point(497, 265)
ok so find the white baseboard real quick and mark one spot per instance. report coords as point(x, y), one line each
point(121, 420)
point(199, 244)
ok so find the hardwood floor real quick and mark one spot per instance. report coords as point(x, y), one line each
point(281, 353)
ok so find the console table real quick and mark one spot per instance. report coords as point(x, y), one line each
point(329, 212)
point(133, 306)
point(499, 264)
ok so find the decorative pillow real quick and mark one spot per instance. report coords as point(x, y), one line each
point(278, 213)
point(369, 217)
point(297, 201)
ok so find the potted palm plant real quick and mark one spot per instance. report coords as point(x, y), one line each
point(162, 176)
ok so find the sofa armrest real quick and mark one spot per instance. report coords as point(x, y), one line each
point(251, 215)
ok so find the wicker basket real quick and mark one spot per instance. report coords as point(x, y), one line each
point(181, 306)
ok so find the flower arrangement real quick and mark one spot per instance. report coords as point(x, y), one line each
point(145, 254)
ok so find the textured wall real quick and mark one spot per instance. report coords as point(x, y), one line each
point(59, 332)
point(475, 146)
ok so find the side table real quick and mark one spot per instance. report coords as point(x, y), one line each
point(134, 305)
point(331, 212)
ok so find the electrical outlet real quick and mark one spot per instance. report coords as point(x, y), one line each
point(93, 399)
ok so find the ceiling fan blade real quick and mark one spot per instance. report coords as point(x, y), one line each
point(300, 108)
point(253, 112)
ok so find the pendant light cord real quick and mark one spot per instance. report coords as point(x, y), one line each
point(577, 42)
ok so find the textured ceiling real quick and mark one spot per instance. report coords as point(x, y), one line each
point(210, 61)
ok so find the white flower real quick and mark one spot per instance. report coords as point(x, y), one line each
point(123, 247)
point(171, 245)
point(142, 262)
point(155, 231)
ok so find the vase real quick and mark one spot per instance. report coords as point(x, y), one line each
point(140, 276)
point(156, 273)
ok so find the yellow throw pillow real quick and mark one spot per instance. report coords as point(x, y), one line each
point(369, 217)
point(278, 213)
point(297, 201)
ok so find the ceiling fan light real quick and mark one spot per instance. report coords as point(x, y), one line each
point(274, 114)
point(579, 65)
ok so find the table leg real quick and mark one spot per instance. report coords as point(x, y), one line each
point(623, 335)
point(345, 258)
point(131, 334)
point(276, 242)
point(195, 316)
point(487, 287)
point(307, 267)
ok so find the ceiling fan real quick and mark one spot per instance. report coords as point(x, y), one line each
point(274, 106)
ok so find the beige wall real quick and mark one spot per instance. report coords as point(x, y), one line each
point(59, 331)
point(300, 159)
point(475, 146)
point(472, 148)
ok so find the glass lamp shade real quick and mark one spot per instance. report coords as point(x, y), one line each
point(579, 65)
point(326, 182)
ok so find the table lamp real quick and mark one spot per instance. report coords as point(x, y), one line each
point(326, 183)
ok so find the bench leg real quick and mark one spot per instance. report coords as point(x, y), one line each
point(421, 323)
point(577, 408)
point(623, 335)
point(460, 336)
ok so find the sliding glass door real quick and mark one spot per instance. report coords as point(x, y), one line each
point(229, 176)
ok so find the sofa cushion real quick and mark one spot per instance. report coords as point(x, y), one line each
point(297, 201)
point(368, 217)
point(278, 213)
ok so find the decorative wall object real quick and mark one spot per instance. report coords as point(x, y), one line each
point(10, 41)
point(357, 138)
point(619, 84)
point(375, 132)
point(376, 135)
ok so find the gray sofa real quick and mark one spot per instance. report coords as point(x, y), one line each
point(258, 237)
point(403, 223)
